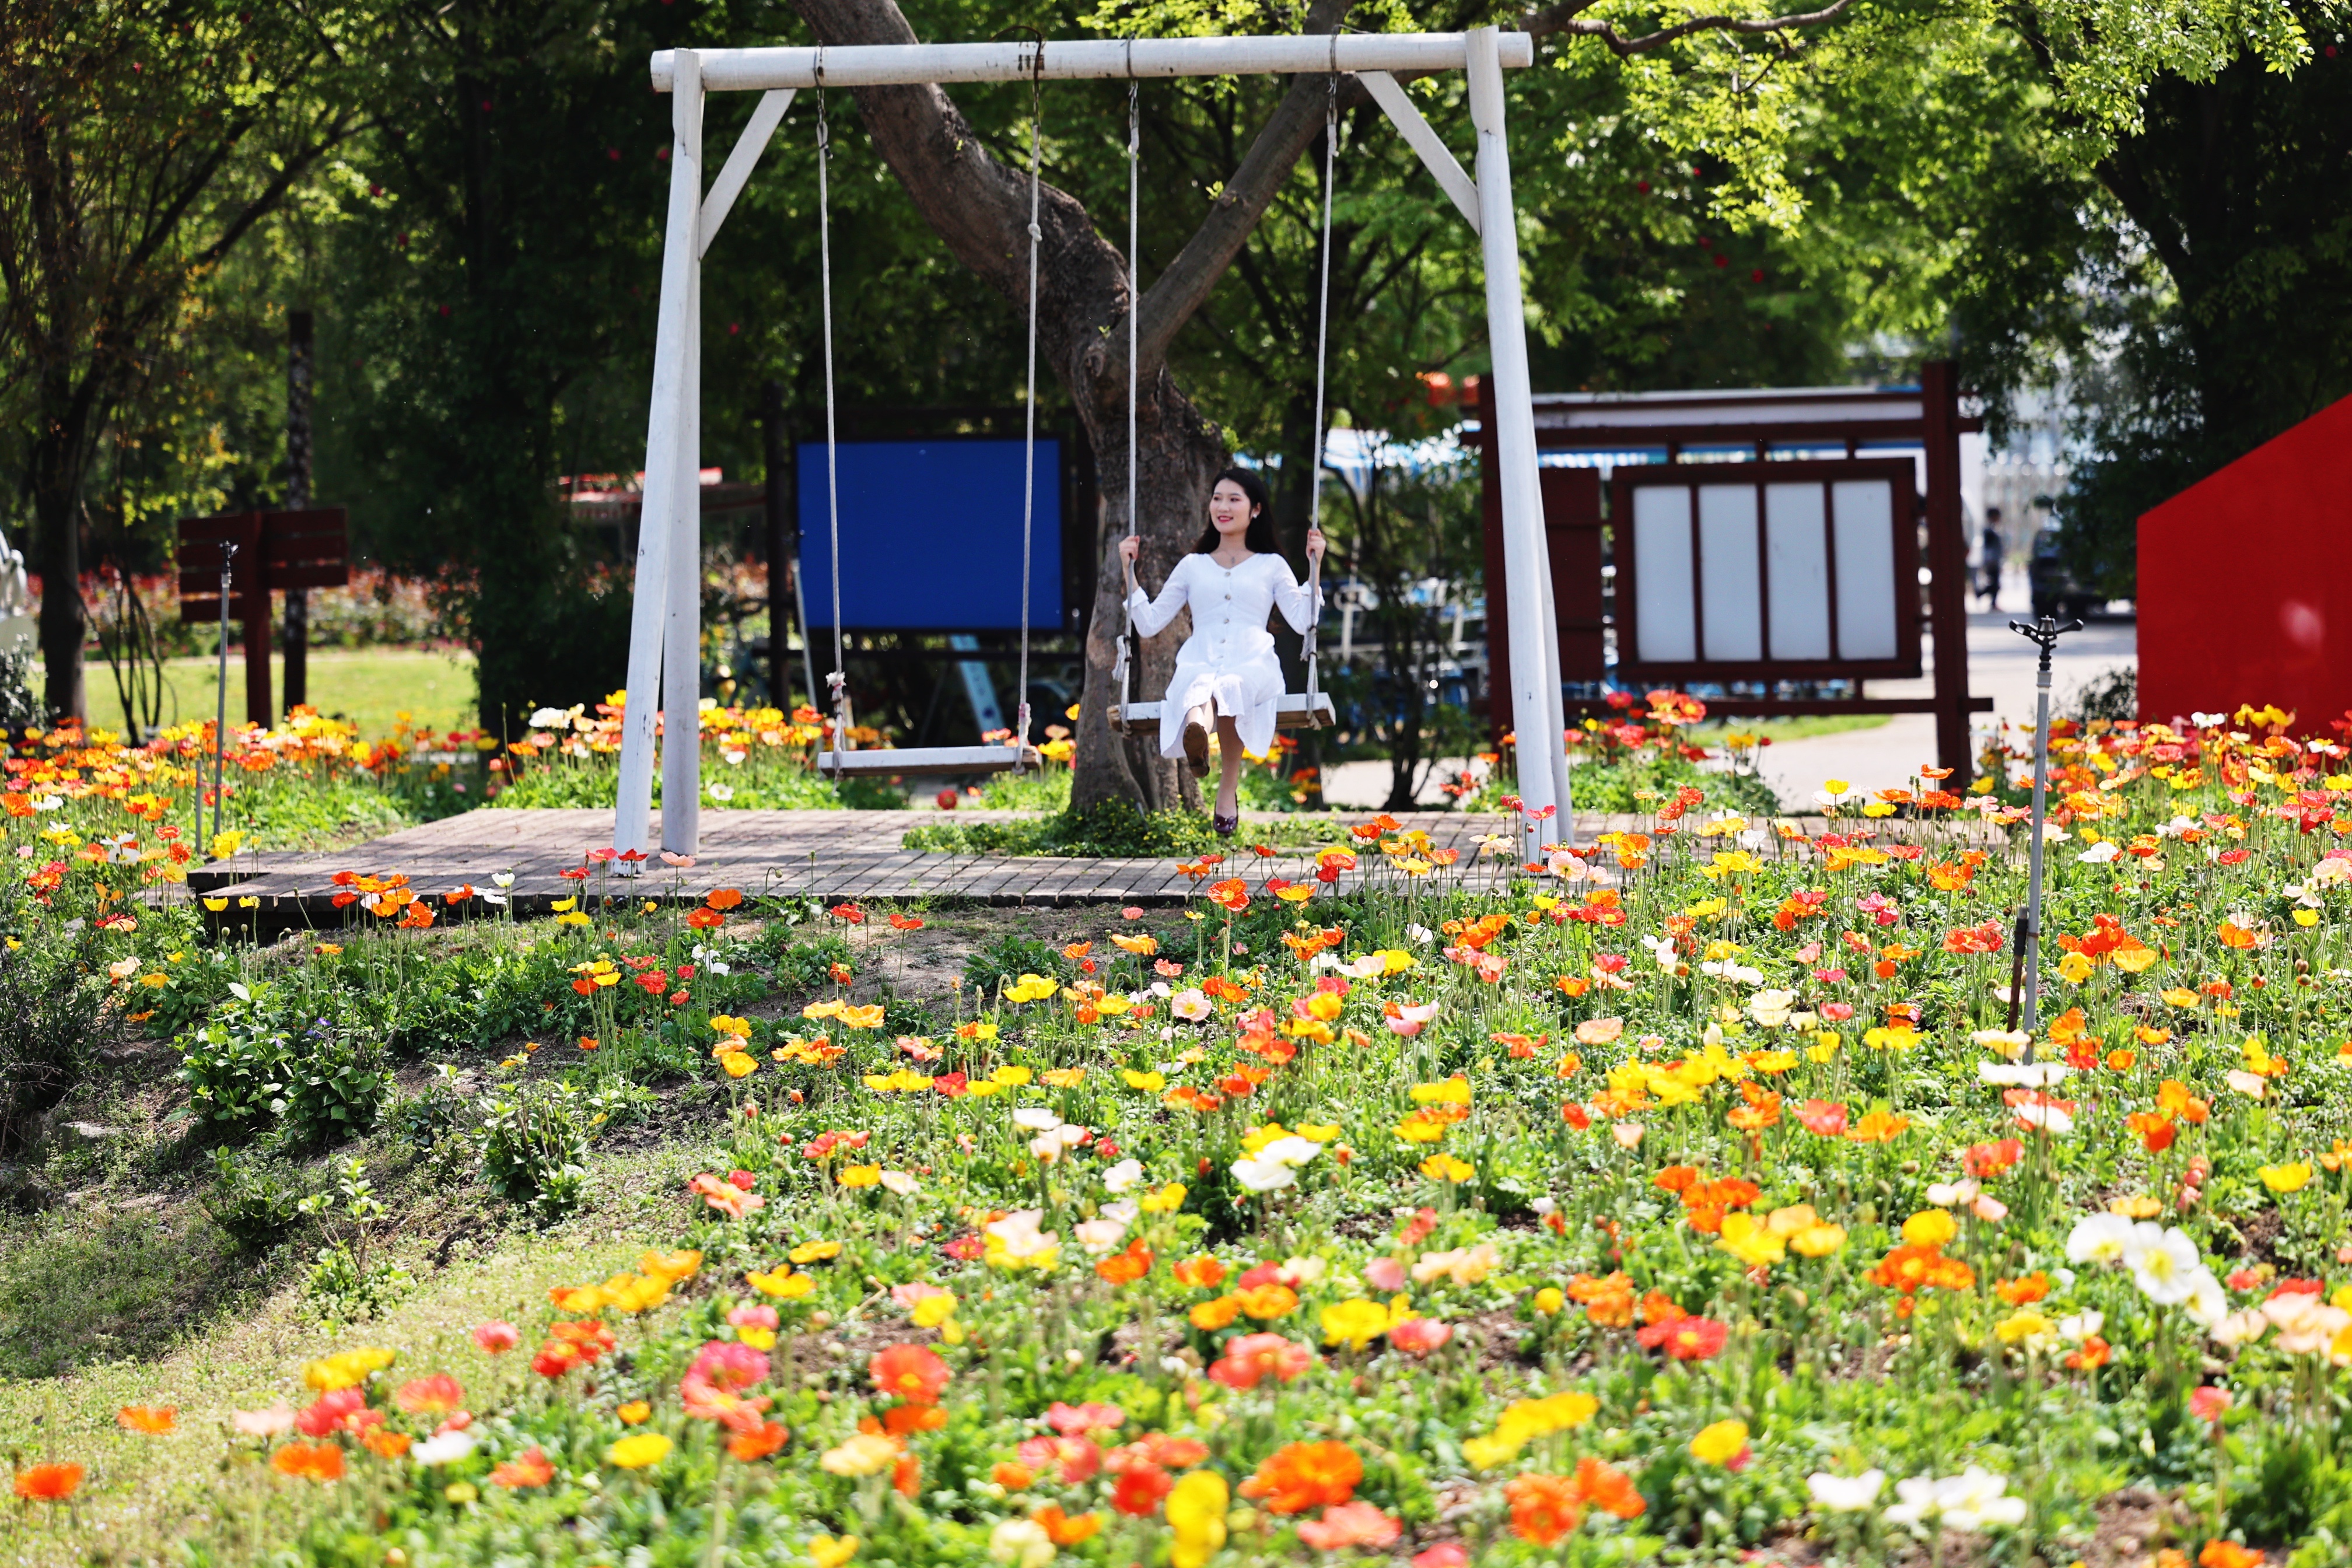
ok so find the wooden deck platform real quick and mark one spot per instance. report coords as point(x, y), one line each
point(825, 854)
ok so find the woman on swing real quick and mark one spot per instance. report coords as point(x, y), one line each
point(1227, 677)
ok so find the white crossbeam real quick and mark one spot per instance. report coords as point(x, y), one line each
point(896, 65)
point(765, 118)
point(1434, 153)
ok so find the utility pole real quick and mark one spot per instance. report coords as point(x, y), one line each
point(299, 361)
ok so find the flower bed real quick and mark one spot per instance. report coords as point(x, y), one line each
point(1692, 1199)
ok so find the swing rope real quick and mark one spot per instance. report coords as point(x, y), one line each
point(1029, 449)
point(839, 680)
point(1322, 349)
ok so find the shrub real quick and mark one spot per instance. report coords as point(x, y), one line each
point(255, 1203)
point(806, 965)
point(249, 1068)
point(535, 1147)
point(1005, 960)
point(334, 1080)
point(235, 1065)
point(43, 1046)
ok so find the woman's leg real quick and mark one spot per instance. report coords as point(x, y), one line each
point(1229, 755)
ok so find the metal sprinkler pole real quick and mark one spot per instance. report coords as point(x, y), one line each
point(2044, 634)
point(220, 720)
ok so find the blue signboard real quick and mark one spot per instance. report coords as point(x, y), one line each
point(930, 535)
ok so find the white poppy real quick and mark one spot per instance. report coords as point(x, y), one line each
point(446, 1448)
point(1845, 1494)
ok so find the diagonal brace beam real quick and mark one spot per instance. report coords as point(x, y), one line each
point(765, 118)
point(1398, 105)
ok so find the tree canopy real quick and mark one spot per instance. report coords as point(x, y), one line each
point(2147, 203)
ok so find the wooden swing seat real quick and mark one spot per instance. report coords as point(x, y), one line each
point(1293, 711)
point(927, 762)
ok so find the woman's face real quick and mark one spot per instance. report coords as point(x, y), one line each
point(1229, 509)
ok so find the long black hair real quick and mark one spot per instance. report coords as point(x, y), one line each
point(1260, 537)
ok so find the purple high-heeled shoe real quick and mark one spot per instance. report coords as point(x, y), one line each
point(1226, 827)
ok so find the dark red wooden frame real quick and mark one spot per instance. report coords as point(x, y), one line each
point(1899, 472)
point(275, 550)
point(1936, 429)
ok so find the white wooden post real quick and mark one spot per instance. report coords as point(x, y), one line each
point(682, 640)
point(671, 452)
point(1535, 635)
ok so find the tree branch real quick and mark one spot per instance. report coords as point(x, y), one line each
point(1568, 18)
point(1288, 134)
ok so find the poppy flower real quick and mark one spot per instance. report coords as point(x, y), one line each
point(48, 1483)
point(1301, 1475)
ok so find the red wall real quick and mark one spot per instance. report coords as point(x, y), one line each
point(2245, 583)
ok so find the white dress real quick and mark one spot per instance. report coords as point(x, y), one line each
point(1229, 660)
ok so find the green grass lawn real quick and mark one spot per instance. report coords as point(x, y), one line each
point(370, 686)
point(1776, 731)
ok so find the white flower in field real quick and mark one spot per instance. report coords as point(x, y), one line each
point(2100, 1239)
point(1021, 1543)
point(2207, 1302)
point(1125, 1213)
point(1191, 1006)
point(2236, 1329)
point(1725, 969)
point(1018, 1235)
point(503, 878)
point(1275, 1165)
point(2164, 1263)
point(1037, 1118)
point(2052, 1119)
point(1421, 934)
point(1291, 1150)
point(51, 802)
point(549, 719)
point(2011, 1044)
point(446, 1448)
point(1123, 1175)
point(2249, 1084)
point(1945, 1194)
point(2081, 1326)
point(1306, 1271)
point(720, 792)
point(1771, 1008)
point(1099, 1236)
point(1845, 1494)
point(1046, 1147)
point(2022, 1075)
point(1260, 1175)
point(2099, 854)
point(1969, 1501)
point(901, 1182)
point(1371, 966)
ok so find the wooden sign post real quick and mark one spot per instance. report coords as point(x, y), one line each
point(275, 551)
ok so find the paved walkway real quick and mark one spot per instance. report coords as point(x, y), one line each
point(826, 855)
point(2000, 664)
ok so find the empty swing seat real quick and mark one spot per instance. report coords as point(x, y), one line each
point(1293, 711)
point(927, 762)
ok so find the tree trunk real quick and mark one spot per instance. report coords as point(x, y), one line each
point(1085, 290)
point(300, 343)
point(60, 457)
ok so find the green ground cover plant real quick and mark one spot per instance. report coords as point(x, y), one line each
point(1689, 1199)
